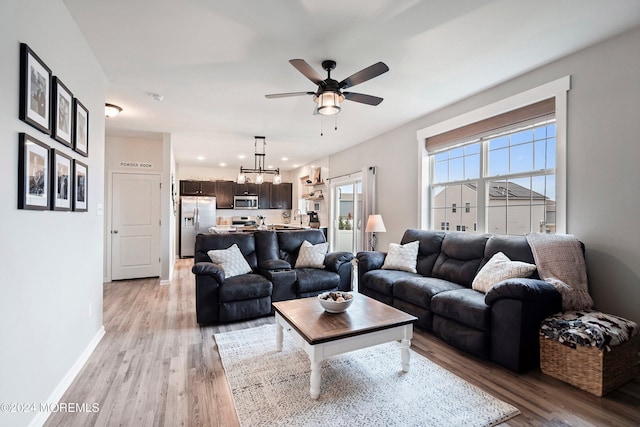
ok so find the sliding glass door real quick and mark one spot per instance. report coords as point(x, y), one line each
point(347, 225)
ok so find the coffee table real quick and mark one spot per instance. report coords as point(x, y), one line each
point(366, 323)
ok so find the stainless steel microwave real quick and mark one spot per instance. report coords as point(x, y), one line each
point(245, 202)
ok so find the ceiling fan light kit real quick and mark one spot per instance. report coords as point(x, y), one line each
point(329, 95)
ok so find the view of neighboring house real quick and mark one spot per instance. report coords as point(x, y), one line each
point(511, 209)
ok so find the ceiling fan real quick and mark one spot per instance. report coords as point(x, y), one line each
point(329, 94)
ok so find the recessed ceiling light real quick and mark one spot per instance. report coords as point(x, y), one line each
point(284, 159)
point(295, 166)
point(200, 157)
point(223, 164)
point(156, 97)
point(241, 156)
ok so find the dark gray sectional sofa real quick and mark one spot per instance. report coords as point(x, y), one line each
point(501, 325)
point(272, 257)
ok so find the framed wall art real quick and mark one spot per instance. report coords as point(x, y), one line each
point(35, 90)
point(34, 184)
point(80, 186)
point(62, 113)
point(61, 181)
point(80, 128)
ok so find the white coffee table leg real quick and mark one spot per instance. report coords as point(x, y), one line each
point(315, 380)
point(278, 337)
point(405, 344)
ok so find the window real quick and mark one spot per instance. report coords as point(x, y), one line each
point(508, 174)
point(534, 106)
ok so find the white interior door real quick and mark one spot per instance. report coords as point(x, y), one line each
point(135, 226)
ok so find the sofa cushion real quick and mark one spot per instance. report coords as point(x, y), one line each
point(207, 242)
point(500, 268)
point(420, 290)
point(311, 256)
point(230, 260)
point(312, 280)
point(515, 248)
point(430, 245)
point(460, 257)
point(245, 287)
point(402, 257)
point(382, 281)
point(289, 242)
point(465, 306)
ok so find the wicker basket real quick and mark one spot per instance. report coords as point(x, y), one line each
point(593, 370)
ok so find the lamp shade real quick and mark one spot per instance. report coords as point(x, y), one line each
point(329, 103)
point(375, 224)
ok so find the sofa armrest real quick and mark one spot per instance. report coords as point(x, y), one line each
point(370, 260)
point(209, 269)
point(523, 290)
point(518, 306)
point(334, 260)
point(209, 277)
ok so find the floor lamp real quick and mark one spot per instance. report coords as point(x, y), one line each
point(374, 225)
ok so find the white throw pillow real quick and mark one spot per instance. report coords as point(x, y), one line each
point(231, 260)
point(402, 257)
point(500, 268)
point(312, 255)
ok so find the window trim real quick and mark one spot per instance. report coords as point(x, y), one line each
point(557, 89)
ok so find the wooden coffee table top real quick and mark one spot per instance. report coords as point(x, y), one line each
point(316, 326)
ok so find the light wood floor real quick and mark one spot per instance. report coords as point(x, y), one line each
point(156, 367)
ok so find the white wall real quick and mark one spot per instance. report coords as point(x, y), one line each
point(603, 176)
point(51, 262)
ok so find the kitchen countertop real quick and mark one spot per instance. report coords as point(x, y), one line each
point(247, 228)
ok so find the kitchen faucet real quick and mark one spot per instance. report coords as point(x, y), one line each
point(299, 213)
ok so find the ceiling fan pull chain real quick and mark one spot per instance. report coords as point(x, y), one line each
point(321, 125)
point(336, 122)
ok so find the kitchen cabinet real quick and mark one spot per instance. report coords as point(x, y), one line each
point(281, 196)
point(224, 194)
point(264, 195)
point(269, 196)
point(246, 189)
point(197, 188)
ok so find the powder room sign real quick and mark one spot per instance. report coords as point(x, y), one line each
point(136, 165)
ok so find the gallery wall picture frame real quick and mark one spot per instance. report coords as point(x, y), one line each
point(80, 186)
point(62, 113)
point(35, 90)
point(80, 128)
point(61, 181)
point(34, 184)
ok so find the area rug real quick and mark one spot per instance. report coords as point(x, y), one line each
point(364, 387)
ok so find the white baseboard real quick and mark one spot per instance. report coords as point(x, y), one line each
point(165, 282)
point(66, 381)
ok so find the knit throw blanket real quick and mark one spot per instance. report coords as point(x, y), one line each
point(560, 262)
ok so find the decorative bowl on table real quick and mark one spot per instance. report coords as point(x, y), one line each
point(335, 302)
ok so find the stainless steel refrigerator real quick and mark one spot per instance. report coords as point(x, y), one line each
point(197, 214)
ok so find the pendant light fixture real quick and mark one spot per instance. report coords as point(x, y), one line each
point(258, 167)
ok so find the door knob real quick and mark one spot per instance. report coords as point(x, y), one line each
point(115, 231)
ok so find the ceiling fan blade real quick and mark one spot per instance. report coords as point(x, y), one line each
point(363, 75)
point(362, 98)
point(285, 95)
point(302, 66)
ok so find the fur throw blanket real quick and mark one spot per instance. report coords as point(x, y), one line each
point(561, 263)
